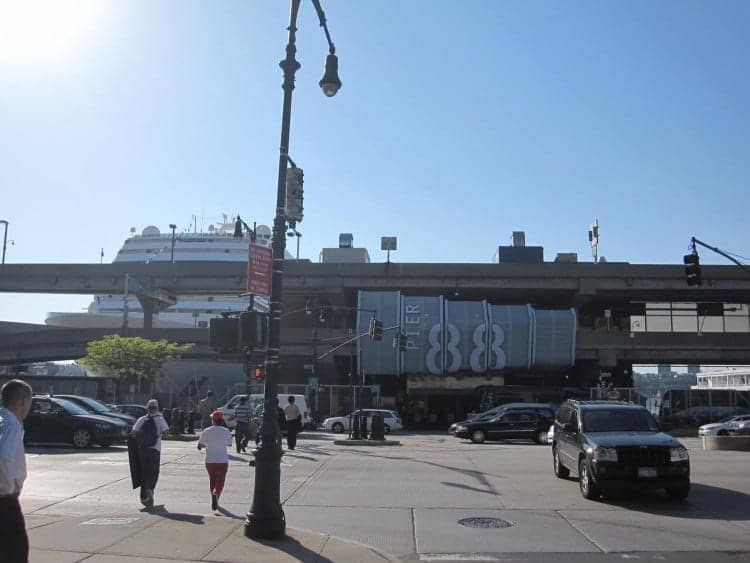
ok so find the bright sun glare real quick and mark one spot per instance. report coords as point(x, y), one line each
point(32, 30)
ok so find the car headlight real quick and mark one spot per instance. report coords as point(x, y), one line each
point(605, 454)
point(460, 428)
point(679, 454)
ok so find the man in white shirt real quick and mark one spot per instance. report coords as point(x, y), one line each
point(148, 430)
point(16, 400)
point(293, 422)
point(215, 439)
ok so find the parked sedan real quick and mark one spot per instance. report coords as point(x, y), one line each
point(136, 411)
point(722, 427)
point(55, 420)
point(98, 408)
point(512, 424)
point(339, 424)
point(739, 428)
point(542, 409)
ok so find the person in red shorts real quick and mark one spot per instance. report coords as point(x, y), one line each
point(216, 438)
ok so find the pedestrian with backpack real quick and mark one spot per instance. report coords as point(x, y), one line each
point(147, 431)
point(216, 439)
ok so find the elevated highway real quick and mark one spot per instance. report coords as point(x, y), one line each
point(36, 343)
point(550, 282)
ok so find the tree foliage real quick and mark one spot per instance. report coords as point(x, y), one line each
point(131, 356)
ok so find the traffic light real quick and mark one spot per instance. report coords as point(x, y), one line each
point(376, 330)
point(399, 341)
point(223, 333)
point(294, 194)
point(692, 268)
point(259, 372)
point(253, 329)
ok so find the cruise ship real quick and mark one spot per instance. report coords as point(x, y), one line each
point(218, 244)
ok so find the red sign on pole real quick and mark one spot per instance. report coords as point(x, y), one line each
point(259, 260)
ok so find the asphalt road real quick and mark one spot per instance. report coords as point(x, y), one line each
point(407, 500)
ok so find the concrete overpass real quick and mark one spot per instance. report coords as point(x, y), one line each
point(563, 283)
point(27, 343)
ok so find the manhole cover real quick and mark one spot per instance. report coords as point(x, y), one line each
point(485, 523)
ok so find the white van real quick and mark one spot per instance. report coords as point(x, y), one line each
point(256, 403)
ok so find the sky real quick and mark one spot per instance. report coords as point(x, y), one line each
point(457, 123)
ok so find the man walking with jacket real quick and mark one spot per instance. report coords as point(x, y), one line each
point(148, 430)
point(16, 401)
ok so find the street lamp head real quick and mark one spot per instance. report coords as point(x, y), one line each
point(330, 83)
point(172, 226)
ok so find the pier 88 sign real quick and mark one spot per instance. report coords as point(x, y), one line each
point(445, 336)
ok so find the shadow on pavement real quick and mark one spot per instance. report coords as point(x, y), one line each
point(469, 488)
point(480, 476)
point(706, 502)
point(224, 512)
point(59, 449)
point(161, 511)
point(296, 550)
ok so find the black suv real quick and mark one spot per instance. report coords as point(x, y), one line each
point(615, 445)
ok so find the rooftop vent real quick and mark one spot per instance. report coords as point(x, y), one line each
point(519, 238)
point(346, 240)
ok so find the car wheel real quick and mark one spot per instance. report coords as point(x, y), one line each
point(337, 428)
point(722, 433)
point(560, 470)
point(478, 436)
point(105, 444)
point(589, 490)
point(386, 429)
point(679, 493)
point(82, 438)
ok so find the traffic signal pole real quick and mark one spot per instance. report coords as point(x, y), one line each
point(695, 241)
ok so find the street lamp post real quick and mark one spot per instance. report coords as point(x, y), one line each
point(5, 237)
point(173, 227)
point(266, 519)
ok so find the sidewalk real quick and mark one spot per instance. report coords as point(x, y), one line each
point(160, 535)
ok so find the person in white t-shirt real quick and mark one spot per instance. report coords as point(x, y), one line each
point(216, 439)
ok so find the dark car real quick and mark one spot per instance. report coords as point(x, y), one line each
point(97, 407)
point(614, 445)
point(506, 425)
point(55, 420)
point(542, 409)
point(136, 411)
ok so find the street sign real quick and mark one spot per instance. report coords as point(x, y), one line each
point(259, 260)
point(307, 366)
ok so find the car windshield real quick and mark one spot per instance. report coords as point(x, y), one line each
point(95, 405)
point(70, 407)
point(618, 420)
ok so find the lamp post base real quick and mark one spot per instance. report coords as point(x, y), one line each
point(264, 527)
point(265, 519)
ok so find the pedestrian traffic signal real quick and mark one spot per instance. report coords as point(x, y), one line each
point(223, 334)
point(253, 329)
point(376, 330)
point(259, 372)
point(692, 268)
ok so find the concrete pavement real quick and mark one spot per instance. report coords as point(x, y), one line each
point(406, 501)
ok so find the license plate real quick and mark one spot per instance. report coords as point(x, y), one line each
point(647, 472)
